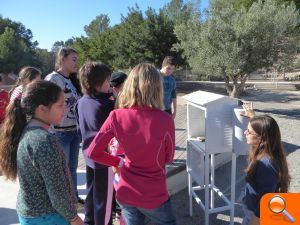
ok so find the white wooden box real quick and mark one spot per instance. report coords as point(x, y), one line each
point(209, 116)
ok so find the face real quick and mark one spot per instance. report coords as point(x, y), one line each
point(168, 70)
point(56, 111)
point(105, 88)
point(69, 63)
point(252, 137)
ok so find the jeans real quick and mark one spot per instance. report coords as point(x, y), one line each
point(162, 215)
point(47, 219)
point(70, 143)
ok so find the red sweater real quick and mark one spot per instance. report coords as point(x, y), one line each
point(147, 136)
point(4, 100)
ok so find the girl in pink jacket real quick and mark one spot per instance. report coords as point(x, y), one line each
point(147, 136)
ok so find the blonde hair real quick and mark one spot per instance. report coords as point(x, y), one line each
point(143, 87)
point(61, 54)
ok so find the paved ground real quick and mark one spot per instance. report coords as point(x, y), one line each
point(283, 106)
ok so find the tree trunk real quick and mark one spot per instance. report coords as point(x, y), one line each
point(238, 85)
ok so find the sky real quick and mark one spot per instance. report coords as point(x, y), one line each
point(59, 20)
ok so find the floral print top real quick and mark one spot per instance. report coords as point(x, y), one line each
point(44, 177)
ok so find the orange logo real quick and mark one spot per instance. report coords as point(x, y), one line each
point(280, 208)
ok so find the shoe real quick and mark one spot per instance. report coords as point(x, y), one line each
point(80, 201)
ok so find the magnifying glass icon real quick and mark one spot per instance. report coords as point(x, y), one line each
point(277, 205)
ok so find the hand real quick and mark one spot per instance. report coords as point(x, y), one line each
point(77, 221)
point(248, 107)
point(116, 170)
point(174, 115)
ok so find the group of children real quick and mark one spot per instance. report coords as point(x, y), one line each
point(127, 141)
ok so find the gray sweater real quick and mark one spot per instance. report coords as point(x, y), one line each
point(44, 177)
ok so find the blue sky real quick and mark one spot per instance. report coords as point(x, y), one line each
point(59, 20)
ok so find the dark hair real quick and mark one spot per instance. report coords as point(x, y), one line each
point(168, 60)
point(270, 144)
point(0, 78)
point(18, 113)
point(92, 74)
point(26, 75)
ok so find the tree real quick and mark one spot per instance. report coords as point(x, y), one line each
point(247, 3)
point(46, 60)
point(16, 46)
point(60, 44)
point(97, 26)
point(233, 43)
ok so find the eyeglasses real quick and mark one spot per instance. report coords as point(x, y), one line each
point(250, 132)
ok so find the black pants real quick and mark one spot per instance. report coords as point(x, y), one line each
point(98, 203)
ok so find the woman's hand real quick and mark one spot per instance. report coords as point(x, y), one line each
point(77, 221)
point(248, 107)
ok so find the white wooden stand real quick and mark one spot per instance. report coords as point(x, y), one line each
point(206, 180)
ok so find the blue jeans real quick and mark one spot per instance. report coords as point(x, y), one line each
point(162, 215)
point(70, 143)
point(47, 219)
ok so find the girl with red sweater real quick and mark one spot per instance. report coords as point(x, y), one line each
point(147, 136)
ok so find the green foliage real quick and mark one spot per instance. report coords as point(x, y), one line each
point(139, 37)
point(97, 26)
point(233, 43)
point(16, 47)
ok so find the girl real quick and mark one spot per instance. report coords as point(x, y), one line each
point(29, 151)
point(267, 170)
point(148, 147)
point(91, 112)
point(27, 75)
point(66, 64)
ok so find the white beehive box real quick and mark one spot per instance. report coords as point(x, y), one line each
point(209, 116)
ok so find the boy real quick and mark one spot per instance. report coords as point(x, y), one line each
point(116, 82)
point(170, 101)
point(91, 112)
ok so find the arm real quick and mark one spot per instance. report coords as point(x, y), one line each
point(49, 161)
point(174, 100)
point(248, 107)
point(96, 149)
point(266, 181)
point(170, 143)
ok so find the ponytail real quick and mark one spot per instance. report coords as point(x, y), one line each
point(10, 134)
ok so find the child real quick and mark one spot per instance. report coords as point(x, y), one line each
point(267, 170)
point(29, 151)
point(170, 101)
point(4, 100)
point(117, 81)
point(66, 64)
point(91, 112)
point(27, 75)
point(147, 145)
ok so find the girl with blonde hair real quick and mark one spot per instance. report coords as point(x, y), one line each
point(148, 147)
point(66, 65)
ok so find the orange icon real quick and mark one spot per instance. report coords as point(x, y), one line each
point(280, 209)
point(277, 205)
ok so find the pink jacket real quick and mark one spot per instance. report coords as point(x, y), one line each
point(147, 136)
